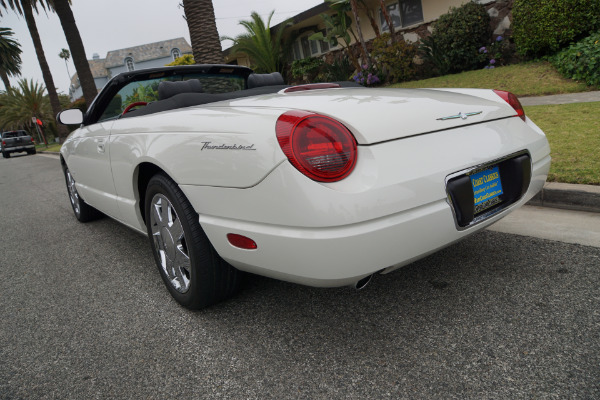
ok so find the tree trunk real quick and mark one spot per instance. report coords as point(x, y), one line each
point(206, 45)
point(67, 20)
point(4, 77)
point(360, 35)
point(388, 19)
point(37, 44)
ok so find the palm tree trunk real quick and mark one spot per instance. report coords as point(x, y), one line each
point(4, 77)
point(39, 50)
point(67, 20)
point(360, 35)
point(206, 45)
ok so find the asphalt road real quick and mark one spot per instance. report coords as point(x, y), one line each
point(84, 315)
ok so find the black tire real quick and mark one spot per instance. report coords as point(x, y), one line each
point(5, 154)
point(34, 151)
point(195, 275)
point(83, 211)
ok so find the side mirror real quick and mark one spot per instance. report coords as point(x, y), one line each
point(73, 116)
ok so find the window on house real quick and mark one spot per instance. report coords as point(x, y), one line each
point(323, 43)
point(393, 11)
point(129, 64)
point(403, 13)
point(176, 54)
point(411, 11)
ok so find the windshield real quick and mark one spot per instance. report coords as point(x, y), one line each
point(147, 90)
point(8, 135)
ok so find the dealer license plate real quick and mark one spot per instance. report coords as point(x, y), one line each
point(487, 188)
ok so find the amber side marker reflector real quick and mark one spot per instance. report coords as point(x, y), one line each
point(241, 241)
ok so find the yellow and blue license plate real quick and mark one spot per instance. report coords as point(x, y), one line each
point(487, 188)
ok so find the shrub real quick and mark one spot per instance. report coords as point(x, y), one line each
point(339, 70)
point(186, 59)
point(542, 27)
point(394, 60)
point(581, 61)
point(307, 69)
point(453, 46)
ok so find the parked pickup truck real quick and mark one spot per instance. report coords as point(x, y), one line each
point(16, 142)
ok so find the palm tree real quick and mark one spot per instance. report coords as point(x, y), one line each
point(26, 8)
point(67, 21)
point(22, 103)
point(65, 55)
point(10, 56)
point(267, 53)
point(200, 17)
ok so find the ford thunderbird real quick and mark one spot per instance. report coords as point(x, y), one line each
point(227, 172)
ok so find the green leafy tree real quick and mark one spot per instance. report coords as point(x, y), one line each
point(10, 56)
point(267, 49)
point(200, 18)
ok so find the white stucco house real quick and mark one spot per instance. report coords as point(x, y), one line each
point(149, 55)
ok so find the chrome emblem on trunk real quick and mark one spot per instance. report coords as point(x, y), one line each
point(460, 115)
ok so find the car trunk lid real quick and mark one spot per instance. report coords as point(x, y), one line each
point(380, 115)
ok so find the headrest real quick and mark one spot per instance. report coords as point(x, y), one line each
point(168, 89)
point(256, 80)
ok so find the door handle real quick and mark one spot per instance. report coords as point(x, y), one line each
point(100, 143)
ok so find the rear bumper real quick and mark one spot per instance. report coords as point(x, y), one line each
point(18, 148)
point(391, 211)
point(342, 255)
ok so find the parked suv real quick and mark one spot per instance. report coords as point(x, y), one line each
point(16, 142)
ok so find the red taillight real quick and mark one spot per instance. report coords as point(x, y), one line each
point(513, 101)
point(32, 141)
point(242, 242)
point(3, 143)
point(318, 146)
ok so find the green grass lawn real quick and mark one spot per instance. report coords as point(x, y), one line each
point(528, 79)
point(55, 147)
point(573, 131)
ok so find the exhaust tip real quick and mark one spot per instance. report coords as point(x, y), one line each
point(363, 282)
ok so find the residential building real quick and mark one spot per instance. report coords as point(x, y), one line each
point(132, 58)
point(412, 21)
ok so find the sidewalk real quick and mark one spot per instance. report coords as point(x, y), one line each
point(583, 97)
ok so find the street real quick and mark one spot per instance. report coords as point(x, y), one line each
point(86, 315)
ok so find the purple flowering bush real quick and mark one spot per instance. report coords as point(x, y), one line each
point(367, 76)
point(495, 53)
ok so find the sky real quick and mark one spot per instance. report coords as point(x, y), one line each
point(106, 25)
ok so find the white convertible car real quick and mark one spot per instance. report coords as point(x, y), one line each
point(323, 184)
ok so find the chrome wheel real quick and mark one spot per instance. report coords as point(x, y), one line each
point(73, 195)
point(169, 243)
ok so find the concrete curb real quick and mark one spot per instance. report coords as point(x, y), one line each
point(568, 196)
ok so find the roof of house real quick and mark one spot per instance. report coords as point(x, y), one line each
point(144, 52)
point(147, 52)
point(98, 68)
